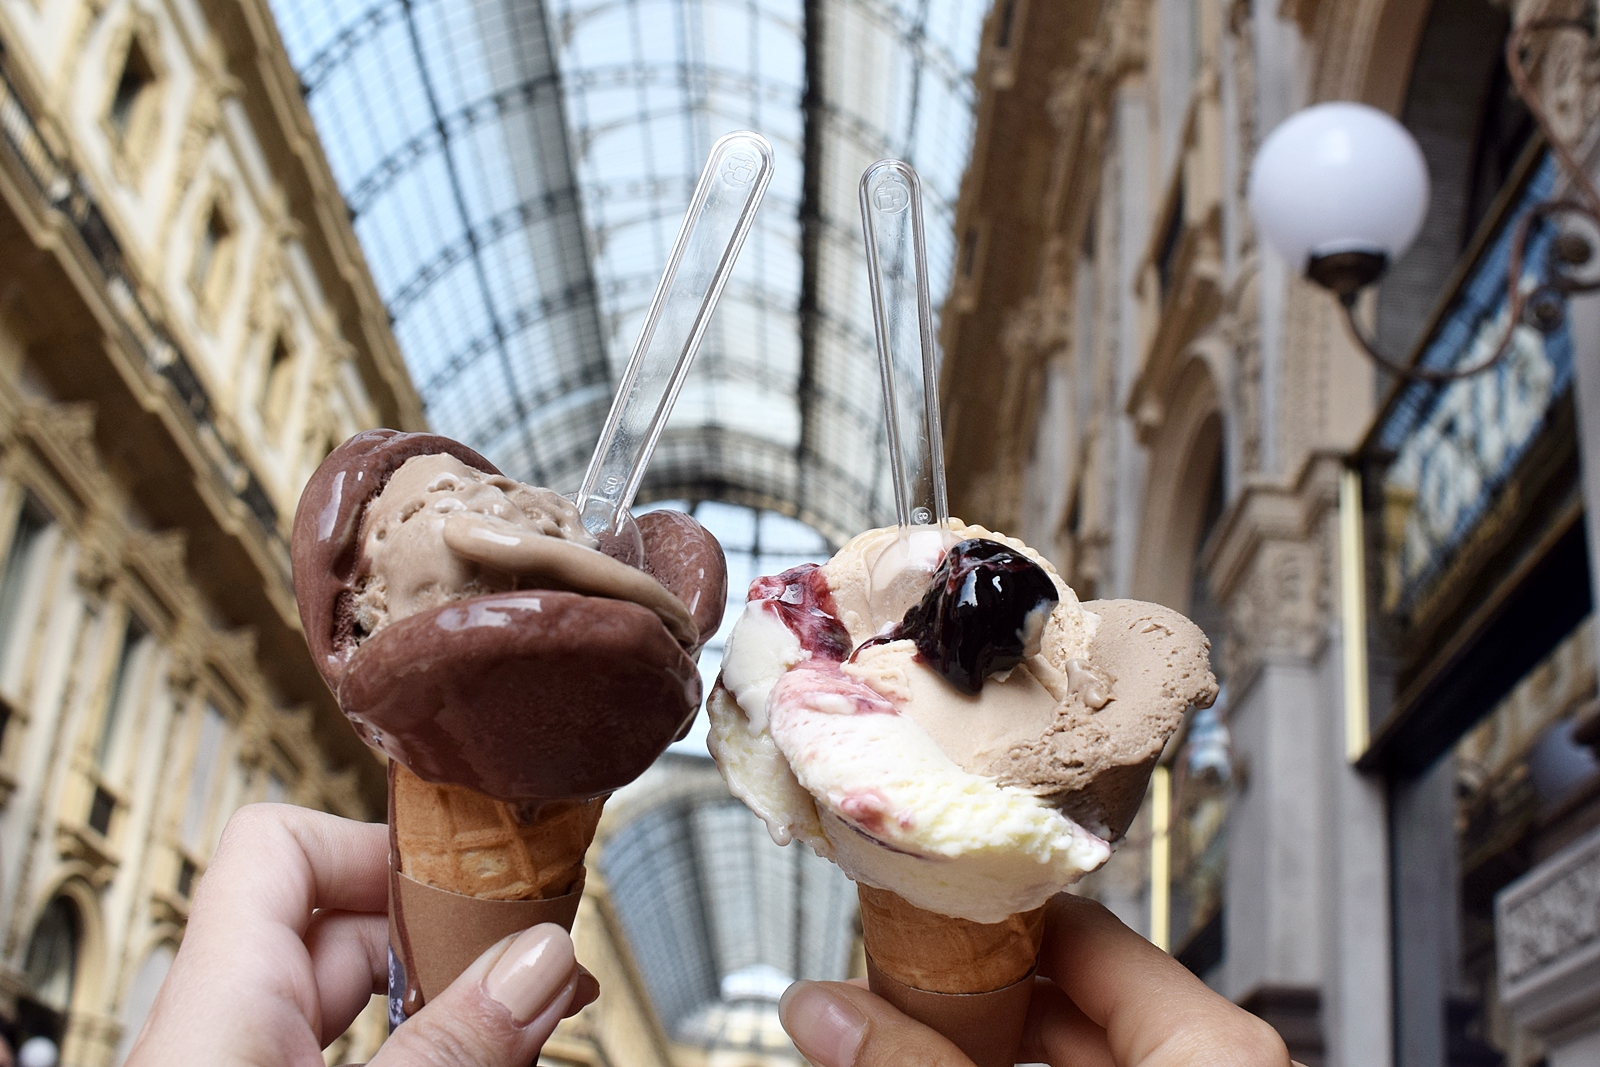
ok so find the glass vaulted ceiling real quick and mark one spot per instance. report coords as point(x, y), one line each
point(517, 170)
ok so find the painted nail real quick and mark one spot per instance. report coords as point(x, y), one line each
point(536, 967)
point(826, 1028)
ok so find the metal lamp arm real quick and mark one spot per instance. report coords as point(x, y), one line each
point(1544, 302)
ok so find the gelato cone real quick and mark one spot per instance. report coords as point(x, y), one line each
point(936, 712)
point(462, 841)
point(969, 981)
point(940, 954)
point(513, 672)
point(467, 869)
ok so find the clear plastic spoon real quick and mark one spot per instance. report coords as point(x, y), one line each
point(721, 213)
point(902, 316)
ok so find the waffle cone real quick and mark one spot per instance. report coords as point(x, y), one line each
point(462, 841)
point(941, 954)
point(971, 982)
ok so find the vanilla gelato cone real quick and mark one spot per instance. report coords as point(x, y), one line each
point(938, 714)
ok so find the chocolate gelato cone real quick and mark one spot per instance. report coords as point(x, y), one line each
point(515, 675)
point(969, 981)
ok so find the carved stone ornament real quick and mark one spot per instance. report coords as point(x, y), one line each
point(65, 432)
point(1274, 569)
point(1547, 933)
point(1240, 328)
point(161, 559)
point(100, 545)
point(188, 657)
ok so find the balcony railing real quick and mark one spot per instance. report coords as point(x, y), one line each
point(63, 190)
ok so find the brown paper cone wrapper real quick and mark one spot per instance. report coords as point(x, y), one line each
point(969, 981)
point(467, 870)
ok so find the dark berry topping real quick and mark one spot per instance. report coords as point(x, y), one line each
point(805, 604)
point(983, 612)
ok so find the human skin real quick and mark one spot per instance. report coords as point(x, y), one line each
point(288, 940)
point(1105, 997)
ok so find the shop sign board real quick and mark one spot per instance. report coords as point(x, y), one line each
point(1456, 444)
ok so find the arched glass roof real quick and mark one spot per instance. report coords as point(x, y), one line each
point(517, 169)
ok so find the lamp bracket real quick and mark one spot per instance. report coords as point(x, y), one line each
point(1544, 306)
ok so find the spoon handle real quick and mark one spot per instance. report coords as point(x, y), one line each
point(720, 216)
point(902, 318)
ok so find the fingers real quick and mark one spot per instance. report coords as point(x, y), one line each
point(499, 1013)
point(835, 1024)
point(1154, 1012)
point(1059, 1032)
point(282, 862)
point(586, 992)
point(350, 960)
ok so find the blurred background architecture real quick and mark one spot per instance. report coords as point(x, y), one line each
point(236, 231)
point(1394, 573)
point(186, 329)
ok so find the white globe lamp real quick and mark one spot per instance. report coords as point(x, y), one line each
point(1340, 191)
point(38, 1052)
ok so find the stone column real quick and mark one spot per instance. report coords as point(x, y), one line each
point(1307, 943)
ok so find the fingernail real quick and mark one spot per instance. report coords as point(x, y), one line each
point(536, 967)
point(826, 1028)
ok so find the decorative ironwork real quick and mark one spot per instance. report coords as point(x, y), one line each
point(517, 173)
point(1541, 305)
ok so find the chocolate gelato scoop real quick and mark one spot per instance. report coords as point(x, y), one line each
point(472, 630)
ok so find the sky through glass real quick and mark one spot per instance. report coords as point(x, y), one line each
point(516, 171)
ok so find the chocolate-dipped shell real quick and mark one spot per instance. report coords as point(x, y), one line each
point(527, 694)
point(524, 695)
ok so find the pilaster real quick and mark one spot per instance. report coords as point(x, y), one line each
point(1306, 922)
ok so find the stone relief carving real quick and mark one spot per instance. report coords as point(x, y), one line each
point(1275, 569)
point(66, 431)
point(1280, 607)
point(1545, 927)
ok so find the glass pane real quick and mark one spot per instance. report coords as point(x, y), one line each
point(202, 778)
point(517, 173)
point(121, 692)
point(24, 553)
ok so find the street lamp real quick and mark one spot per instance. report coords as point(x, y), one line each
point(1340, 191)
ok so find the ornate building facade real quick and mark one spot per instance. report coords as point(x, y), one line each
point(1382, 838)
point(186, 328)
point(188, 324)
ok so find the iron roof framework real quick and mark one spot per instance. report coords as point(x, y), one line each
point(516, 171)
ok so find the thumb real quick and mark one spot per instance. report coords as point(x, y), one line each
point(499, 1012)
point(836, 1024)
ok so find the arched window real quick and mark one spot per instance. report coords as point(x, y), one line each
point(51, 967)
point(1202, 773)
point(278, 388)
